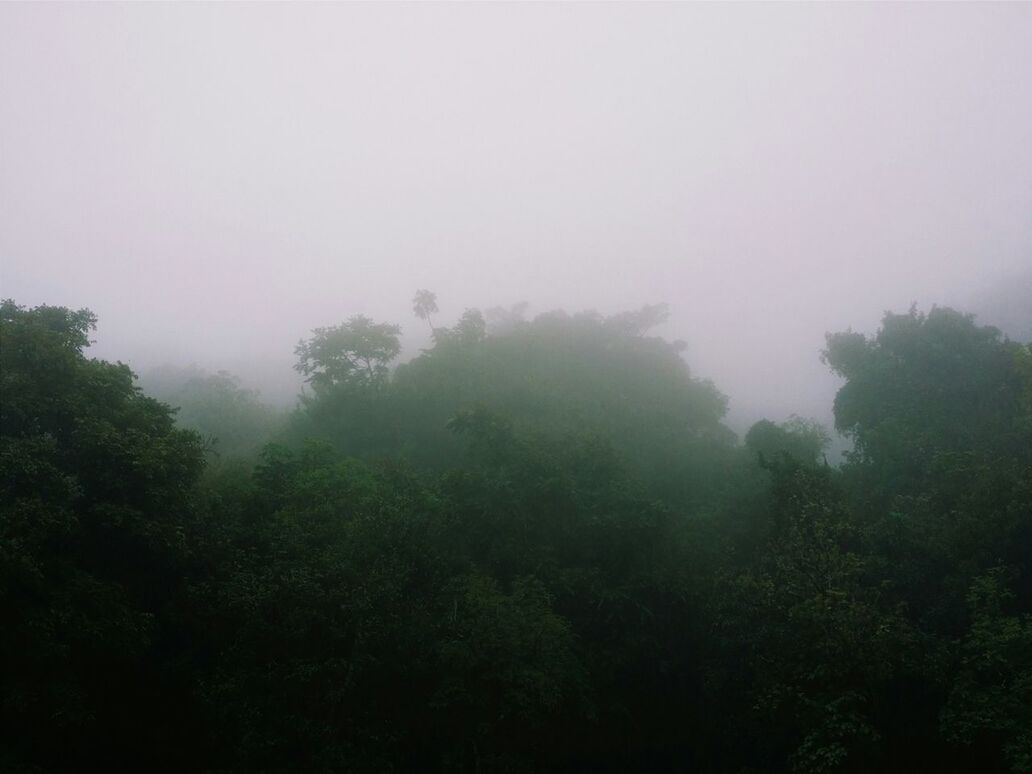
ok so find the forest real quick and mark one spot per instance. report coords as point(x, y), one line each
point(533, 547)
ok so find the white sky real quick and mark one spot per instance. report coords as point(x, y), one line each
point(216, 180)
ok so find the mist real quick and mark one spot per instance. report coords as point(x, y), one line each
point(516, 387)
point(215, 181)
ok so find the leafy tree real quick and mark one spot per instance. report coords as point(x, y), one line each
point(507, 669)
point(324, 619)
point(568, 513)
point(558, 374)
point(927, 383)
point(217, 407)
point(424, 304)
point(468, 332)
point(991, 699)
point(939, 483)
point(826, 641)
point(797, 438)
point(95, 484)
point(639, 321)
point(501, 319)
point(353, 354)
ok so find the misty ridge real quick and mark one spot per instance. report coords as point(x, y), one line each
point(207, 402)
point(516, 388)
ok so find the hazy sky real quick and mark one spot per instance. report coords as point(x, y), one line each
point(215, 180)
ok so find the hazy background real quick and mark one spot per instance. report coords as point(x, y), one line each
point(216, 180)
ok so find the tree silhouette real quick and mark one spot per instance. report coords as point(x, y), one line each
point(424, 304)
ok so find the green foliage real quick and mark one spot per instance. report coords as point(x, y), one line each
point(94, 484)
point(217, 407)
point(323, 617)
point(534, 547)
point(925, 384)
point(353, 354)
point(556, 375)
point(802, 440)
point(506, 667)
point(992, 693)
point(829, 640)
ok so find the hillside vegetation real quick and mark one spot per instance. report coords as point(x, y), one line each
point(534, 547)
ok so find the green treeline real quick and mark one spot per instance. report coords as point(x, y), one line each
point(535, 547)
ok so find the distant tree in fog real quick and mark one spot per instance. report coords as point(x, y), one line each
point(424, 304)
point(354, 353)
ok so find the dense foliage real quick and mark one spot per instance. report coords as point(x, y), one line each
point(534, 547)
point(233, 421)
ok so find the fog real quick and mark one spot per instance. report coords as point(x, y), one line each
point(214, 181)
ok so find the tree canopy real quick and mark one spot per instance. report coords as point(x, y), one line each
point(355, 353)
point(535, 546)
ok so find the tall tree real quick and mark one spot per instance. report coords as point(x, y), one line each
point(424, 304)
point(95, 507)
point(355, 353)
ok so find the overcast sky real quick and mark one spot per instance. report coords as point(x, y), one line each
point(216, 180)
